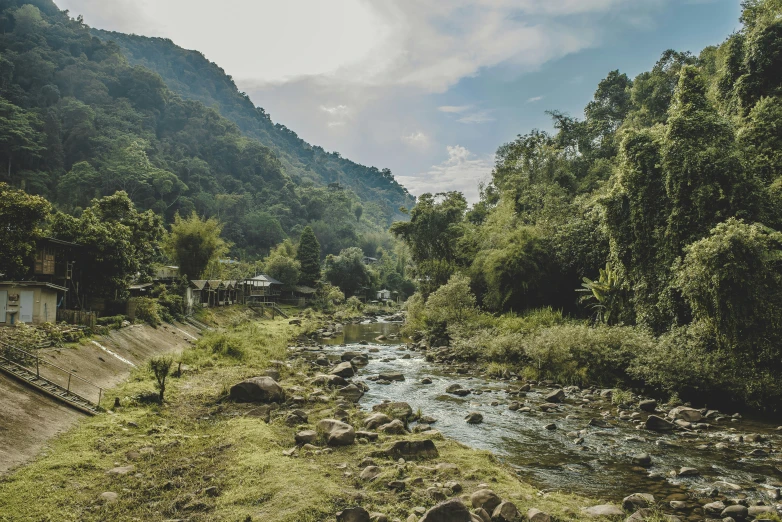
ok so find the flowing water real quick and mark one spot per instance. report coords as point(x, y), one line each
point(550, 459)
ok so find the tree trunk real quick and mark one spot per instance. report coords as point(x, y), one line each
point(162, 391)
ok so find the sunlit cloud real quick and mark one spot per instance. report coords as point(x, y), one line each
point(534, 99)
point(461, 171)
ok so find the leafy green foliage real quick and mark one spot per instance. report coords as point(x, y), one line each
point(348, 271)
point(283, 266)
point(22, 217)
point(308, 256)
point(194, 244)
point(161, 367)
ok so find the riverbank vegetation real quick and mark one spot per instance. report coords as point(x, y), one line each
point(199, 456)
point(660, 206)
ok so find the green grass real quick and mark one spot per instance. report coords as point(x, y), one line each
point(197, 440)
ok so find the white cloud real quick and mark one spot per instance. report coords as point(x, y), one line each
point(417, 139)
point(462, 171)
point(534, 99)
point(454, 109)
point(336, 110)
point(483, 116)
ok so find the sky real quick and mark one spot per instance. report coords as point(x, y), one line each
point(427, 88)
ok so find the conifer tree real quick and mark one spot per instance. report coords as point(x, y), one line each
point(308, 255)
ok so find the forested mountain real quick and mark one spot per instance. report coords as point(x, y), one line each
point(665, 196)
point(192, 76)
point(78, 121)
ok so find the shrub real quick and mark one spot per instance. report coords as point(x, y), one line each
point(111, 321)
point(148, 310)
point(223, 344)
point(161, 366)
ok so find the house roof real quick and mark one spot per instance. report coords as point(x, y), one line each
point(198, 284)
point(305, 289)
point(140, 286)
point(34, 283)
point(264, 279)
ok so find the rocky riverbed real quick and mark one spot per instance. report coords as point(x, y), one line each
point(695, 464)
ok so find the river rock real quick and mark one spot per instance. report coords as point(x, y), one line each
point(688, 472)
point(480, 515)
point(649, 405)
point(426, 380)
point(655, 423)
point(514, 405)
point(638, 501)
point(337, 432)
point(411, 449)
point(351, 392)
point(449, 511)
point(257, 389)
point(599, 423)
point(755, 511)
point(737, 512)
point(686, 414)
point(486, 499)
point(392, 376)
point(395, 427)
point(604, 510)
point(108, 497)
point(356, 514)
point(348, 356)
point(376, 420)
point(714, 508)
point(397, 410)
point(555, 396)
point(536, 515)
point(474, 418)
point(331, 381)
point(505, 512)
point(642, 459)
point(306, 437)
point(343, 369)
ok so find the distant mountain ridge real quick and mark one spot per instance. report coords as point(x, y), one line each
point(191, 75)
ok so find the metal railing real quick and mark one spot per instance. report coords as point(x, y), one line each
point(42, 368)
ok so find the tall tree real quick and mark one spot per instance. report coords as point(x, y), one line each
point(308, 255)
point(21, 216)
point(20, 140)
point(193, 243)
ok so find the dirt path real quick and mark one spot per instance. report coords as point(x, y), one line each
point(28, 418)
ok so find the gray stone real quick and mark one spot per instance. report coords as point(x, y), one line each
point(109, 497)
point(392, 376)
point(649, 405)
point(486, 499)
point(306, 437)
point(686, 414)
point(257, 389)
point(505, 512)
point(738, 512)
point(536, 515)
point(655, 423)
point(555, 396)
point(356, 514)
point(395, 427)
point(474, 418)
point(337, 432)
point(344, 370)
point(638, 501)
point(688, 472)
point(714, 508)
point(642, 459)
point(375, 420)
point(411, 449)
point(351, 392)
point(604, 510)
point(449, 511)
point(396, 410)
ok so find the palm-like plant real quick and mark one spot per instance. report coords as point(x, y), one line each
point(606, 294)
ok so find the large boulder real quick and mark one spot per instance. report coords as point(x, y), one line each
point(257, 389)
point(331, 381)
point(655, 423)
point(737, 512)
point(343, 369)
point(391, 376)
point(486, 499)
point(474, 418)
point(337, 432)
point(351, 392)
point(449, 511)
point(396, 410)
point(649, 405)
point(536, 515)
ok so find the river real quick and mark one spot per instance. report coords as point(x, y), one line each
point(554, 459)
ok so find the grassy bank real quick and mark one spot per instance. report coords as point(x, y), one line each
point(199, 457)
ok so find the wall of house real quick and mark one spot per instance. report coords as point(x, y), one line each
point(44, 304)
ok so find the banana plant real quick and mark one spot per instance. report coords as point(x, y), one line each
point(606, 294)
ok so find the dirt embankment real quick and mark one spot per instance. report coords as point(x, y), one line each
point(29, 418)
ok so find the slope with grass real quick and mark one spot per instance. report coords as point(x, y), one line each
point(200, 457)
